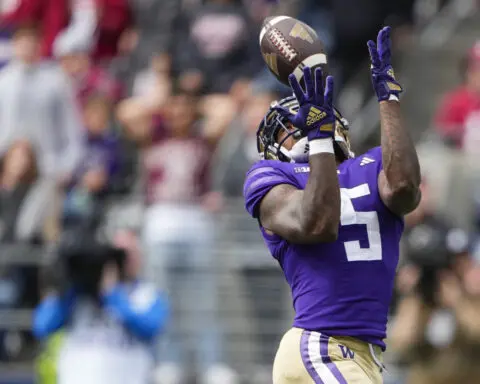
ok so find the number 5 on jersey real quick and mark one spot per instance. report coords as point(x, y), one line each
point(349, 216)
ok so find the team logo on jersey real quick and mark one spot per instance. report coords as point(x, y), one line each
point(301, 169)
point(366, 160)
point(306, 170)
point(346, 352)
point(299, 31)
point(271, 60)
point(315, 115)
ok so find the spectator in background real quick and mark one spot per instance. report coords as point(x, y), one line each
point(51, 15)
point(153, 85)
point(431, 244)
point(111, 318)
point(259, 10)
point(38, 110)
point(217, 47)
point(153, 33)
point(178, 234)
point(237, 150)
point(114, 24)
point(91, 180)
point(71, 19)
point(87, 78)
point(127, 240)
point(47, 360)
point(82, 26)
point(6, 6)
point(433, 330)
point(458, 117)
point(440, 343)
point(19, 171)
point(98, 23)
point(145, 49)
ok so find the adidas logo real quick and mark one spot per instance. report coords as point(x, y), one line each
point(367, 160)
point(314, 115)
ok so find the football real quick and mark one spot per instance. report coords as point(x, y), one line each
point(288, 45)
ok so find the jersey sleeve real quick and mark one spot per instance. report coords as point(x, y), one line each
point(376, 154)
point(259, 181)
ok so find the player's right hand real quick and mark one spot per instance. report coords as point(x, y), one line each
point(316, 116)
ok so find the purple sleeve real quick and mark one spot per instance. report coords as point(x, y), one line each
point(259, 181)
point(376, 154)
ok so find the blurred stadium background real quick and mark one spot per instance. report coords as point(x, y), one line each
point(141, 114)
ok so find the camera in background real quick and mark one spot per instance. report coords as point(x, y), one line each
point(81, 258)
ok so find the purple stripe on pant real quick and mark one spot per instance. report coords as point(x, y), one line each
point(327, 361)
point(306, 358)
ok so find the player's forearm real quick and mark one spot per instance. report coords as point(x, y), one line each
point(320, 208)
point(400, 160)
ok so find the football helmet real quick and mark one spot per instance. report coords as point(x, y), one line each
point(273, 123)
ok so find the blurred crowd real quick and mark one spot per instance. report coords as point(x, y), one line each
point(101, 99)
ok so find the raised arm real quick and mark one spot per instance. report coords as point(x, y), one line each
point(399, 181)
point(313, 214)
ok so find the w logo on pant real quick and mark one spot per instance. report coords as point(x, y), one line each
point(346, 352)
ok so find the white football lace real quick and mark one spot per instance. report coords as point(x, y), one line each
point(279, 41)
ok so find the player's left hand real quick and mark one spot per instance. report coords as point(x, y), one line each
point(383, 78)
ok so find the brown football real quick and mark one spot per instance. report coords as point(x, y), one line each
point(288, 45)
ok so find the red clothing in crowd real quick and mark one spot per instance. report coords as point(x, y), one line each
point(98, 80)
point(114, 18)
point(51, 16)
point(456, 109)
point(176, 169)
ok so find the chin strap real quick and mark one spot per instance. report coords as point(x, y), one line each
point(299, 151)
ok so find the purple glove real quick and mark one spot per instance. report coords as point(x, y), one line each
point(315, 116)
point(383, 78)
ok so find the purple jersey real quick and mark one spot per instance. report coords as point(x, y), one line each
point(341, 288)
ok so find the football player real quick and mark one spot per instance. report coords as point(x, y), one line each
point(334, 221)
